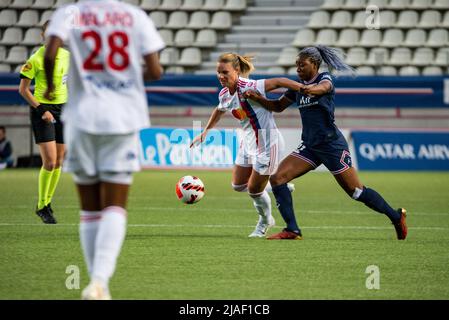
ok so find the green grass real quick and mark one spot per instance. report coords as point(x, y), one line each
point(201, 251)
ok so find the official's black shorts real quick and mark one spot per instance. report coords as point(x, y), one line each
point(44, 131)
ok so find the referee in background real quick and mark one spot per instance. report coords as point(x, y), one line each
point(46, 122)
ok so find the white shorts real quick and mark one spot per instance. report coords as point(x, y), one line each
point(95, 157)
point(265, 162)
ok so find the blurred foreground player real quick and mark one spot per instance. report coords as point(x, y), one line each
point(106, 109)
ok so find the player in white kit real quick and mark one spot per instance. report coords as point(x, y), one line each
point(106, 108)
point(262, 143)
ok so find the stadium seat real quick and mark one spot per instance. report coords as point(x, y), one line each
point(174, 70)
point(167, 36)
point(440, 4)
point(420, 4)
point(359, 20)
point(318, 19)
point(12, 36)
point(430, 19)
point(235, 5)
point(438, 38)
point(28, 18)
point(332, 4)
point(133, 2)
point(60, 3)
point(348, 38)
point(422, 57)
point(292, 71)
point(2, 53)
point(304, 38)
point(199, 20)
point(18, 68)
point(190, 57)
point(159, 18)
point(8, 18)
point(46, 15)
point(17, 54)
point(354, 4)
point(21, 4)
point(184, 38)
point(221, 20)
point(400, 57)
point(169, 56)
point(356, 56)
point(287, 57)
point(387, 19)
point(32, 37)
point(170, 5)
point(275, 70)
point(398, 4)
point(432, 71)
point(370, 38)
point(381, 4)
point(43, 4)
point(365, 71)
point(150, 5)
point(4, 67)
point(191, 5)
point(177, 20)
point(442, 57)
point(340, 19)
point(377, 57)
point(386, 71)
point(415, 38)
point(213, 5)
point(206, 38)
point(326, 37)
point(392, 38)
point(5, 3)
point(407, 19)
point(409, 71)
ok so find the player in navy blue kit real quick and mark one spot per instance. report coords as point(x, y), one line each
point(323, 143)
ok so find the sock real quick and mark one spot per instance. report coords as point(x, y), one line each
point(284, 203)
point(240, 187)
point(269, 188)
point(44, 184)
point(90, 220)
point(110, 236)
point(375, 201)
point(53, 183)
point(262, 203)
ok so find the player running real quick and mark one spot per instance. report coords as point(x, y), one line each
point(323, 143)
point(106, 109)
point(262, 143)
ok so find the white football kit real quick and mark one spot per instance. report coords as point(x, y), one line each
point(262, 144)
point(107, 40)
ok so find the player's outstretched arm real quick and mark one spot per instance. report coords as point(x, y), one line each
point(153, 68)
point(213, 120)
point(278, 105)
point(274, 83)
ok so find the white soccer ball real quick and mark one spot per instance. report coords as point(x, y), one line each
point(190, 189)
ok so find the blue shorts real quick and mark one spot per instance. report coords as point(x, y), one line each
point(337, 159)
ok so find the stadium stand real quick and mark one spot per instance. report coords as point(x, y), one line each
point(411, 33)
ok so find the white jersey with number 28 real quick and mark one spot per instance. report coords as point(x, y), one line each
point(107, 40)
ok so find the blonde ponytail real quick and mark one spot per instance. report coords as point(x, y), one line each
point(241, 63)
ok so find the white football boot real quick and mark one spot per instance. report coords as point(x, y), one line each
point(262, 227)
point(95, 291)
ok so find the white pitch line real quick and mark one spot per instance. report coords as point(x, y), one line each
point(223, 226)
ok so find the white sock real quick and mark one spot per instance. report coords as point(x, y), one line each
point(262, 203)
point(89, 222)
point(268, 187)
point(290, 187)
point(111, 233)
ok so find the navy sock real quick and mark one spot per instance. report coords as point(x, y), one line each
point(375, 201)
point(285, 205)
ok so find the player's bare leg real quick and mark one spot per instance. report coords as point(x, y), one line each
point(240, 178)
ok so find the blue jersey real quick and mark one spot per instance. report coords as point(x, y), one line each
point(317, 114)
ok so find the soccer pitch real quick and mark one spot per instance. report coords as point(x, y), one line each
point(201, 251)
